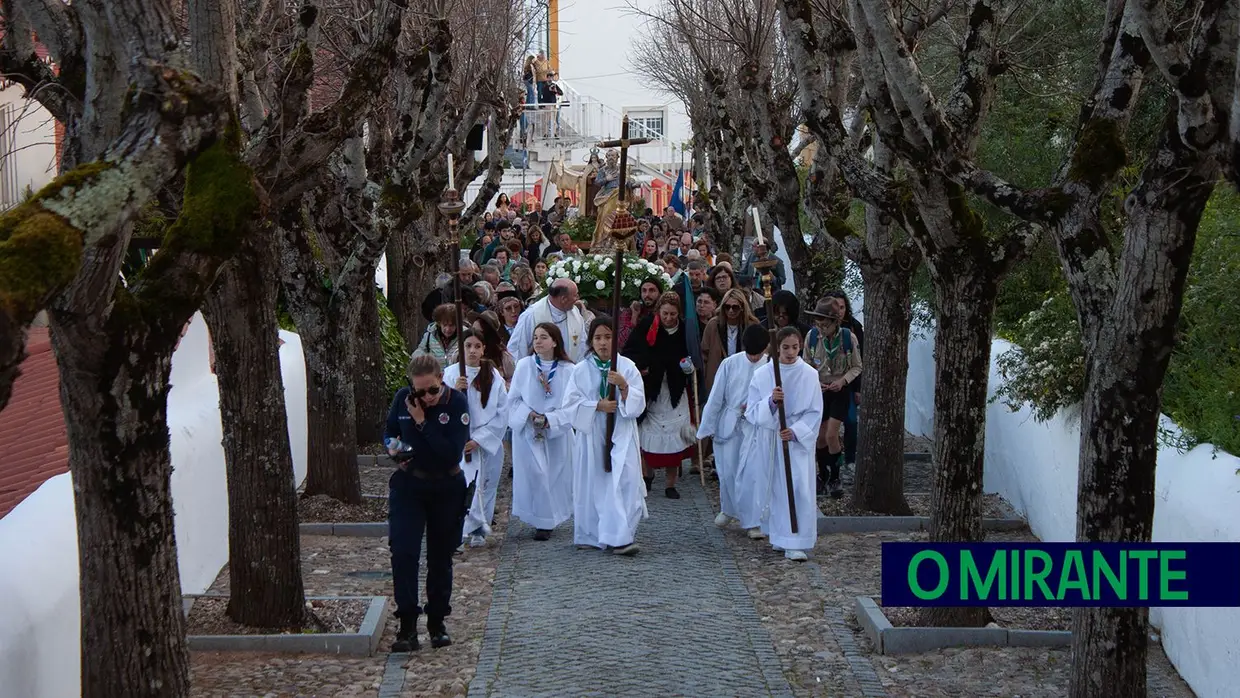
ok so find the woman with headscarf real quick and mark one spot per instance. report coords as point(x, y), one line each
point(659, 348)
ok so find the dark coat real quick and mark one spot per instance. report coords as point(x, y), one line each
point(662, 359)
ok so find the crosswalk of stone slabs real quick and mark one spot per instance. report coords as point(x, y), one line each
point(674, 620)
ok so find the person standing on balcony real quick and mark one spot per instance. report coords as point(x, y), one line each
point(541, 69)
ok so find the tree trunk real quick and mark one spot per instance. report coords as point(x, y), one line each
point(116, 423)
point(369, 389)
point(332, 411)
point(879, 482)
point(965, 294)
point(401, 298)
point(1128, 350)
point(264, 547)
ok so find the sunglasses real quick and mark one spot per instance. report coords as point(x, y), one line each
point(433, 390)
point(731, 308)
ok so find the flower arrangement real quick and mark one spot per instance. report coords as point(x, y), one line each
point(594, 275)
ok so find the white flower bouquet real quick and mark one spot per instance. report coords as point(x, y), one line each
point(595, 274)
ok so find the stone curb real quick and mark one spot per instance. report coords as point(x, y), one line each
point(363, 643)
point(871, 524)
point(891, 640)
point(376, 460)
point(377, 529)
point(917, 457)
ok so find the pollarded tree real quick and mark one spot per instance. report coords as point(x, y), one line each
point(285, 147)
point(1128, 298)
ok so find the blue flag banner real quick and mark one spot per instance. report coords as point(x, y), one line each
point(678, 195)
point(1204, 575)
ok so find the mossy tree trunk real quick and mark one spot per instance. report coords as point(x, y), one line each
point(369, 389)
point(264, 546)
point(879, 482)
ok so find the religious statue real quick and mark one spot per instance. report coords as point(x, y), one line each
point(590, 190)
point(607, 201)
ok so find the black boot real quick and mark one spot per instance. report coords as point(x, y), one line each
point(438, 632)
point(821, 458)
point(649, 482)
point(833, 480)
point(407, 635)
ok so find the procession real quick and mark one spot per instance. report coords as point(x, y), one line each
point(660, 372)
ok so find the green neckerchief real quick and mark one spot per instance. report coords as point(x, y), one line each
point(833, 344)
point(604, 367)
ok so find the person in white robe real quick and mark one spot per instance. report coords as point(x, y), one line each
point(724, 420)
point(487, 426)
point(542, 435)
point(607, 506)
point(558, 307)
point(802, 398)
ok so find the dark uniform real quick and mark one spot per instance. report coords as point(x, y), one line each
point(428, 495)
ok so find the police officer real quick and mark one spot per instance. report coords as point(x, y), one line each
point(426, 492)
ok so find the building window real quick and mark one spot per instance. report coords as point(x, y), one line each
point(647, 124)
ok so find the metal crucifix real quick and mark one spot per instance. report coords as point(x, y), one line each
point(621, 227)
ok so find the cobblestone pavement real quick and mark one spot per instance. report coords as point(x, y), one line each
point(339, 565)
point(674, 620)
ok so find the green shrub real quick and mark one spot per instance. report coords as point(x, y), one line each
point(1046, 368)
point(395, 354)
point(580, 229)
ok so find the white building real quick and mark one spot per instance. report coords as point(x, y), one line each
point(27, 145)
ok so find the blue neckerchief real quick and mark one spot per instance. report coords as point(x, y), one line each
point(549, 376)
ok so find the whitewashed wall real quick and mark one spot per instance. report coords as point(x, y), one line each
point(39, 618)
point(1034, 466)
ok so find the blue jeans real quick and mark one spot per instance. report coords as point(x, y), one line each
point(437, 507)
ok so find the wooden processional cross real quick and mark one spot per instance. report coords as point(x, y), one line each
point(621, 227)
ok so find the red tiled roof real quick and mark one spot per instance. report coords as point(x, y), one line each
point(33, 446)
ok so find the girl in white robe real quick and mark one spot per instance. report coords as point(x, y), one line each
point(724, 420)
point(607, 506)
point(487, 426)
point(802, 399)
point(542, 434)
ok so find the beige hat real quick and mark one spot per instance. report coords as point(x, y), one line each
point(825, 308)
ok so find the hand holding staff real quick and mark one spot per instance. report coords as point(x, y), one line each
point(765, 267)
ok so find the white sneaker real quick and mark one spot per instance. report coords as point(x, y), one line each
point(477, 542)
point(756, 534)
point(797, 555)
point(722, 519)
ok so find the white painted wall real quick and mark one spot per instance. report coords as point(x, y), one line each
point(1034, 466)
point(39, 618)
point(29, 141)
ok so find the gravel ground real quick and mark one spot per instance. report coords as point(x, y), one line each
point(993, 506)
point(1006, 617)
point(209, 617)
point(790, 599)
point(375, 479)
point(323, 509)
point(337, 565)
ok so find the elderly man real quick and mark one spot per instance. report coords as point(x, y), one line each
point(558, 307)
point(442, 293)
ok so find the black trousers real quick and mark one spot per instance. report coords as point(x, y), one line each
point(436, 507)
point(850, 430)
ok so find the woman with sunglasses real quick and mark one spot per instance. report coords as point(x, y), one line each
point(542, 435)
point(722, 336)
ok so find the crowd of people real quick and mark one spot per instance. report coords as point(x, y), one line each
point(693, 381)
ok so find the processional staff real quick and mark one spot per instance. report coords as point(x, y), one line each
point(622, 226)
point(450, 207)
point(766, 266)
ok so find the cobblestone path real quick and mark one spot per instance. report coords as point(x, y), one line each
point(676, 620)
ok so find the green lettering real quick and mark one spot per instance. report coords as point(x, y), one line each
point(1072, 576)
point(944, 575)
point(971, 576)
point(1143, 575)
point(1014, 580)
point(1166, 574)
point(1037, 577)
point(1102, 568)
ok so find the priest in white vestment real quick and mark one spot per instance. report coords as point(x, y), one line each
point(802, 398)
point(607, 506)
point(542, 435)
point(724, 420)
point(487, 426)
point(558, 307)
